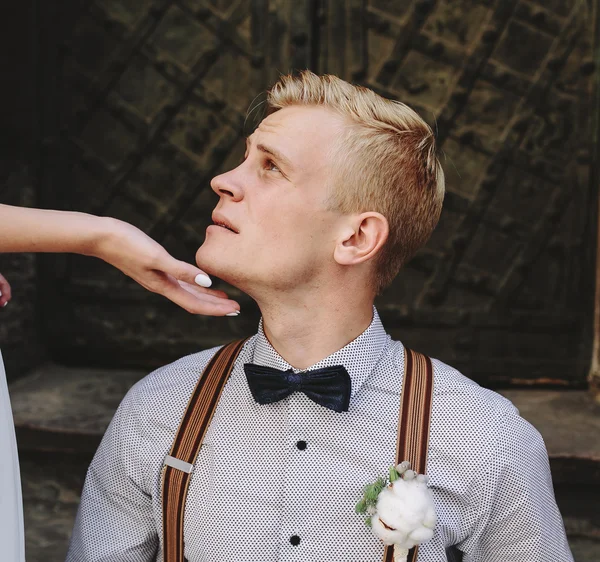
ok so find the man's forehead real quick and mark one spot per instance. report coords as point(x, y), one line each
point(268, 127)
point(296, 119)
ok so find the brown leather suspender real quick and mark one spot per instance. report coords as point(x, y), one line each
point(413, 436)
point(414, 421)
point(192, 430)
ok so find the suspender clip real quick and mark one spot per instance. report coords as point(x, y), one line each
point(179, 464)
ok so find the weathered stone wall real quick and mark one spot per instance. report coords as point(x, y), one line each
point(145, 101)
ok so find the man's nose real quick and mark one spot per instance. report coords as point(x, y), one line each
point(227, 185)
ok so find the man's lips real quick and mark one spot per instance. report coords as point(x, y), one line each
point(221, 221)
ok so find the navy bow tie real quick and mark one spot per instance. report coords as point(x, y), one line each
point(329, 387)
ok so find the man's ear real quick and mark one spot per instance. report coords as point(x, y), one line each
point(361, 239)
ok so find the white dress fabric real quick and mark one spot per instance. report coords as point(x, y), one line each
point(12, 536)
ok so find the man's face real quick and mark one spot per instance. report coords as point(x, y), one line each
point(283, 236)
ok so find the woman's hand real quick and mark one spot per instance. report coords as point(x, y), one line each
point(147, 262)
point(116, 242)
point(5, 292)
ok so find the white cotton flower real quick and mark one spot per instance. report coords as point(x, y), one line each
point(409, 475)
point(405, 513)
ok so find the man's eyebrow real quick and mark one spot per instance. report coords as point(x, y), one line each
point(271, 152)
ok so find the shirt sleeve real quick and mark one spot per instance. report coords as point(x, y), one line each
point(523, 523)
point(114, 522)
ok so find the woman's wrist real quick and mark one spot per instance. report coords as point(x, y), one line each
point(101, 234)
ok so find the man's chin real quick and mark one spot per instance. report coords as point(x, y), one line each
point(217, 266)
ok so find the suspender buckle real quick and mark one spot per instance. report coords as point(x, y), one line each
point(174, 462)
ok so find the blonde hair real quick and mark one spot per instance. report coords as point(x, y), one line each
point(386, 162)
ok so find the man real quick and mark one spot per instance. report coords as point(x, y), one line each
point(338, 188)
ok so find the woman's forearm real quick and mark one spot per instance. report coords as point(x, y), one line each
point(118, 243)
point(40, 230)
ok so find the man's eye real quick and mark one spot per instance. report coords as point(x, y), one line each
point(271, 166)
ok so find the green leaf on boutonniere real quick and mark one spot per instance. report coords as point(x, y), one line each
point(372, 491)
point(361, 506)
point(370, 495)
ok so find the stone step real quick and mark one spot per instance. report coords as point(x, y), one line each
point(67, 409)
point(52, 484)
point(569, 421)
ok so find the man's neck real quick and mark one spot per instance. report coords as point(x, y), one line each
point(304, 333)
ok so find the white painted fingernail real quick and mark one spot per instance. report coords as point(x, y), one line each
point(235, 313)
point(0, 293)
point(4, 304)
point(203, 280)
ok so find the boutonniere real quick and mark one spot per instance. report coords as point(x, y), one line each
point(399, 509)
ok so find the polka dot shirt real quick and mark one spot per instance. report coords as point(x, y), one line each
point(279, 482)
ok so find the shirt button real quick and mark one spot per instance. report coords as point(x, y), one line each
point(301, 445)
point(295, 540)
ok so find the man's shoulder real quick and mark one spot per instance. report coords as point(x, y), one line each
point(470, 421)
point(477, 433)
point(450, 385)
point(167, 390)
point(182, 372)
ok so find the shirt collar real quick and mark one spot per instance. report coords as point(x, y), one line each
point(359, 357)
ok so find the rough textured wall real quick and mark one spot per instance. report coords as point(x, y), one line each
point(147, 100)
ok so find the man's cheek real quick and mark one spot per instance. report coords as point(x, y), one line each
point(281, 229)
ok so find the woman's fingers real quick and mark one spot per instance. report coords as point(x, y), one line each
point(184, 271)
point(201, 291)
point(188, 285)
point(205, 304)
point(5, 291)
point(198, 301)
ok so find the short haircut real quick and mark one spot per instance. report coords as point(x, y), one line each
point(386, 162)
